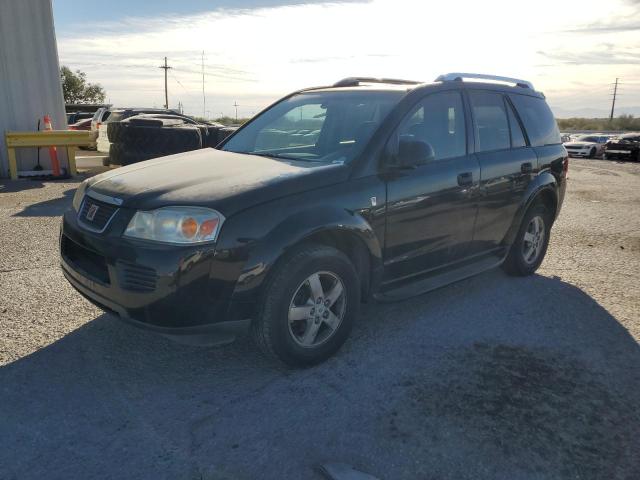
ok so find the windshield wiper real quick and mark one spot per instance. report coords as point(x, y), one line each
point(280, 156)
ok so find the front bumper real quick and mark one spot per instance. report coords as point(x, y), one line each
point(579, 153)
point(619, 153)
point(176, 290)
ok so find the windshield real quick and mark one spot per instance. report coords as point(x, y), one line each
point(316, 126)
point(586, 138)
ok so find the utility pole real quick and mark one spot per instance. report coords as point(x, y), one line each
point(204, 98)
point(235, 104)
point(166, 68)
point(613, 104)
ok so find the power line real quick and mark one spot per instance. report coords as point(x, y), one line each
point(180, 83)
point(165, 67)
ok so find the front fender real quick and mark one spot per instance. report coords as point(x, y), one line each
point(544, 182)
point(295, 229)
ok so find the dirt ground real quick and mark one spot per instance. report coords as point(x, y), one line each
point(490, 378)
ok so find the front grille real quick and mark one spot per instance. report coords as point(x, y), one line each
point(95, 214)
point(135, 277)
point(84, 260)
point(572, 147)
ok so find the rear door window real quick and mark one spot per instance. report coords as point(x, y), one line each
point(490, 121)
point(539, 122)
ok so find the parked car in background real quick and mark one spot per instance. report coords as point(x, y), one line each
point(81, 125)
point(586, 146)
point(623, 147)
point(75, 117)
point(565, 137)
point(366, 189)
point(101, 115)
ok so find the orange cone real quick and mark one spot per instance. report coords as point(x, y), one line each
point(53, 153)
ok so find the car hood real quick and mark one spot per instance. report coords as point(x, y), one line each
point(229, 182)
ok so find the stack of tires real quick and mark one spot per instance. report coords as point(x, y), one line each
point(150, 136)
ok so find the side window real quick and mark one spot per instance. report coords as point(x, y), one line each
point(490, 121)
point(299, 127)
point(439, 121)
point(517, 137)
point(539, 122)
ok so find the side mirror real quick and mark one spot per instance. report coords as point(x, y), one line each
point(412, 153)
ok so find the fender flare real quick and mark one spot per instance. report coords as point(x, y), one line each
point(292, 231)
point(544, 183)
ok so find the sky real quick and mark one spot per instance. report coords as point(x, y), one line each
point(256, 51)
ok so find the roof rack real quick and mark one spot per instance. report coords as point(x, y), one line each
point(448, 77)
point(356, 81)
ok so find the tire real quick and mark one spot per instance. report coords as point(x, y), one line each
point(225, 132)
point(518, 262)
point(592, 153)
point(119, 155)
point(115, 131)
point(212, 137)
point(289, 286)
point(105, 162)
point(163, 141)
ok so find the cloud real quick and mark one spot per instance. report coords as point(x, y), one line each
point(256, 55)
point(627, 19)
point(607, 56)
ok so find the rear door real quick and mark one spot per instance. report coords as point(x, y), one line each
point(431, 209)
point(507, 164)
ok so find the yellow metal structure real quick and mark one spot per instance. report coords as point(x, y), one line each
point(70, 139)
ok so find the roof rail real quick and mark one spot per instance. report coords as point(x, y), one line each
point(356, 81)
point(456, 76)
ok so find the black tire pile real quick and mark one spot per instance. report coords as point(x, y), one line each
point(148, 136)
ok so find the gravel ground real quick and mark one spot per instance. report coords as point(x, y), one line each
point(490, 378)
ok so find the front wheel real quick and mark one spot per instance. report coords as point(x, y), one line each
point(592, 153)
point(530, 246)
point(309, 306)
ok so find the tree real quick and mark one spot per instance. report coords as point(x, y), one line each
point(76, 89)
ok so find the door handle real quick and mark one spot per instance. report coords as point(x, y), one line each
point(526, 167)
point(465, 179)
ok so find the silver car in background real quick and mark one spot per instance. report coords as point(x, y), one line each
point(587, 146)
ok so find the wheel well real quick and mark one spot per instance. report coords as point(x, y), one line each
point(352, 247)
point(548, 199)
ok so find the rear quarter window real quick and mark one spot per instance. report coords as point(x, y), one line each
point(539, 122)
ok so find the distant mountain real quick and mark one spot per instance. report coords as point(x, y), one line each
point(560, 112)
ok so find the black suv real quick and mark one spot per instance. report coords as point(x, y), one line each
point(367, 189)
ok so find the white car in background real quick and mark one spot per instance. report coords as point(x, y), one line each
point(587, 146)
point(102, 143)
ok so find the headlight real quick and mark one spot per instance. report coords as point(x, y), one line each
point(183, 225)
point(77, 198)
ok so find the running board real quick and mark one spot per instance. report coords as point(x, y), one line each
point(438, 280)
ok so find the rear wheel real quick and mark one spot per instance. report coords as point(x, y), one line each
point(309, 306)
point(529, 248)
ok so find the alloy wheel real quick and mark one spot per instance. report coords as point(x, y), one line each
point(317, 309)
point(534, 237)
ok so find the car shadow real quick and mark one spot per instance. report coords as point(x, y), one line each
point(54, 207)
point(493, 377)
